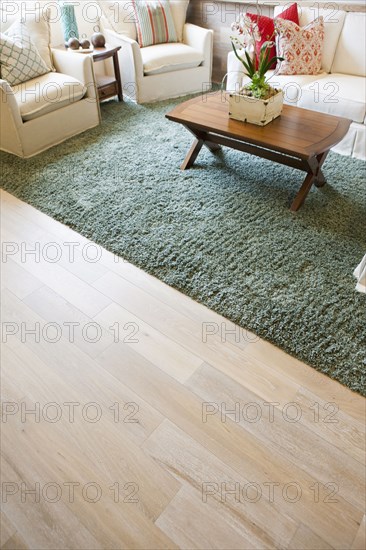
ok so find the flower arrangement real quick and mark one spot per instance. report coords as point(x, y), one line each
point(256, 66)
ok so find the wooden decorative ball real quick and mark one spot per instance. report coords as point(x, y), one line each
point(98, 40)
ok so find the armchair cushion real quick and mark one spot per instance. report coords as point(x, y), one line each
point(179, 13)
point(154, 22)
point(37, 21)
point(19, 57)
point(47, 93)
point(165, 58)
point(120, 17)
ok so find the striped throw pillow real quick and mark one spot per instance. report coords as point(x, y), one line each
point(154, 22)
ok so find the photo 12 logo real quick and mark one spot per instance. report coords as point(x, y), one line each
point(69, 491)
point(52, 332)
point(68, 411)
point(253, 412)
point(272, 491)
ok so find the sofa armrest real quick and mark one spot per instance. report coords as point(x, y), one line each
point(235, 72)
point(200, 39)
point(80, 66)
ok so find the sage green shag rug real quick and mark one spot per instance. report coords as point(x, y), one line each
point(220, 232)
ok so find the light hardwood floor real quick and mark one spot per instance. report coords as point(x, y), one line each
point(151, 428)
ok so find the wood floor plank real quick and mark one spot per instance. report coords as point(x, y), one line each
point(72, 288)
point(105, 437)
point(18, 280)
point(87, 335)
point(72, 252)
point(276, 429)
point(181, 330)
point(330, 421)
point(305, 539)
point(176, 360)
point(15, 543)
point(261, 524)
point(240, 450)
point(323, 386)
point(35, 383)
point(7, 529)
point(190, 525)
point(57, 525)
point(360, 539)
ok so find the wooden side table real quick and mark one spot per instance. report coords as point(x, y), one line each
point(108, 86)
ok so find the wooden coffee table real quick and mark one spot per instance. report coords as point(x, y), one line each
point(298, 138)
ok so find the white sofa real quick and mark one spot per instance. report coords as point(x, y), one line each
point(340, 88)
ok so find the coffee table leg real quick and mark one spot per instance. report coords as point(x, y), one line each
point(302, 194)
point(201, 138)
point(320, 179)
point(314, 175)
point(192, 154)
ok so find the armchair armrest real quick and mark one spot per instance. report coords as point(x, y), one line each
point(9, 103)
point(200, 39)
point(77, 65)
point(130, 50)
point(131, 65)
point(11, 122)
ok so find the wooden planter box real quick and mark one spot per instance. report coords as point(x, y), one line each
point(253, 110)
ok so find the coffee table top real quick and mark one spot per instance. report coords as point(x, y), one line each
point(297, 132)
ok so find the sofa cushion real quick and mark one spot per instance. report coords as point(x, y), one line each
point(301, 47)
point(154, 22)
point(37, 21)
point(333, 23)
point(350, 55)
point(164, 58)
point(19, 58)
point(267, 29)
point(47, 93)
point(336, 94)
point(292, 84)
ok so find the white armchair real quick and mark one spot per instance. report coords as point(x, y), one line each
point(49, 109)
point(162, 71)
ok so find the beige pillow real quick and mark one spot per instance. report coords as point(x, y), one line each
point(179, 13)
point(37, 22)
point(121, 16)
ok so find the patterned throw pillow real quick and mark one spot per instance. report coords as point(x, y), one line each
point(300, 46)
point(267, 29)
point(19, 58)
point(154, 22)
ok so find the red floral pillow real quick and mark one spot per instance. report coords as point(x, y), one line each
point(267, 29)
point(301, 47)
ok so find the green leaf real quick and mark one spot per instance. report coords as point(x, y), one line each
point(241, 60)
point(250, 63)
point(275, 58)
